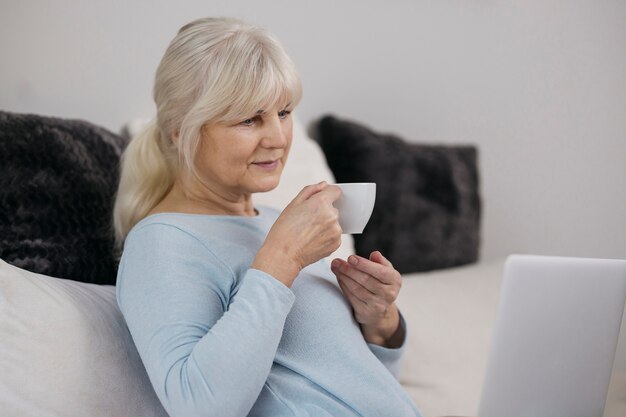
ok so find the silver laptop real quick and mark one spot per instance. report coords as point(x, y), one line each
point(555, 337)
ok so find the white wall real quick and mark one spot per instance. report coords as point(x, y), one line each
point(538, 85)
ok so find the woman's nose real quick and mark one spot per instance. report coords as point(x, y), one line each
point(274, 133)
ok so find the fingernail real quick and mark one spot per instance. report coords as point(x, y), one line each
point(353, 260)
point(334, 263)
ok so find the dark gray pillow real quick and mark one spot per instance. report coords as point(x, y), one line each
point(57, 183)
point(427, 211)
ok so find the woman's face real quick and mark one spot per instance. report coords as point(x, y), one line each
point(247, 156)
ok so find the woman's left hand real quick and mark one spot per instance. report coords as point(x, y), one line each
point(372, 286)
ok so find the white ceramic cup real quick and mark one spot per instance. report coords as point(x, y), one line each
point(355, 205)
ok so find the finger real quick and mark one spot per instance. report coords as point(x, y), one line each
point(358, 290)
point(371, 283)
point(331, 193)
point(309, 191)
point(385, 274)
point(378, 257)
point(354, 300)
point(365, 307)
point(377, 290)
point(334, 191)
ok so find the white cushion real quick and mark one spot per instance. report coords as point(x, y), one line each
point(65, 351)
point(450, 315)
point(306, 165)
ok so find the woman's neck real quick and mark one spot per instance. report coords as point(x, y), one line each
point(192, 200)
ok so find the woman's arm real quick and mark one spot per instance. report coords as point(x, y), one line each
point(204, 352)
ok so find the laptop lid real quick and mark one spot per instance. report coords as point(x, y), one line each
point(555, 337)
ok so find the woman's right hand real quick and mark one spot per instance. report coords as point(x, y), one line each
point(305, 232)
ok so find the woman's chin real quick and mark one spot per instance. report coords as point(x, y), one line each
point(267, 185)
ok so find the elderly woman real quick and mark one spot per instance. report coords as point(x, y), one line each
point(232, 308)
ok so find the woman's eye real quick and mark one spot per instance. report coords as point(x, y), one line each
point(283, 114)
point(248, 122)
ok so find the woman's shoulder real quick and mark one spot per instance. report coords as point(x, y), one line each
point(171, 242)
point(222, 235)
point(209, 224)
point(162, 224)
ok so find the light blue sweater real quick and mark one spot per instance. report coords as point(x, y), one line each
point(220, 339)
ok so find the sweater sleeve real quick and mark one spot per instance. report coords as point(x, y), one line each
point(391, 357)
point(205, 352)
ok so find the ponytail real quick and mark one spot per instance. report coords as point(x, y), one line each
point(146, 176)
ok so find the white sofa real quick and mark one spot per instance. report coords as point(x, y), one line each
point(65, 350)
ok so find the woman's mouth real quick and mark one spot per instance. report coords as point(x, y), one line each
point(266, 165)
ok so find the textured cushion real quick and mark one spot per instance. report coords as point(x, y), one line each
point(65, 351)
point(58, 178)
point(427, 211)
